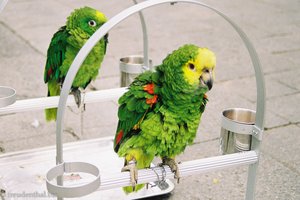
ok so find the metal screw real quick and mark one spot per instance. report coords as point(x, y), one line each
point(255, 132)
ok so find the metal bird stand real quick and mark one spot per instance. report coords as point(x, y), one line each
point(237, 134)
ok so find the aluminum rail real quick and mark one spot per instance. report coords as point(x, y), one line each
point(187, 168)
point(52, 102)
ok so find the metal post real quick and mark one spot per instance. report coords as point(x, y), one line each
point(2, 4)
point(145, 38)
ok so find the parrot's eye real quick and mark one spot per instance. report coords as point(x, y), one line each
point(92, 23)
point(191, 66)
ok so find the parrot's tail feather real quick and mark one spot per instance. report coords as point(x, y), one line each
point(53, 90)
point(51, 114)
point(130, 189)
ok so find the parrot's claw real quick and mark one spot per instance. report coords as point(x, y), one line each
point(131, 167)
point(173, 165)
point(77, 96)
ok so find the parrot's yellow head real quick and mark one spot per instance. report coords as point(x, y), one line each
point(199, 70)
point(189, 68)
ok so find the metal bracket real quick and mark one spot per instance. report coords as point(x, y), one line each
point(257, 133)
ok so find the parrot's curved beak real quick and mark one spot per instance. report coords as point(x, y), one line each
point(207, 79)
point(210, 83)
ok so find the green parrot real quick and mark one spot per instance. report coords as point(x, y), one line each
point(160, 113)
point(64, 46)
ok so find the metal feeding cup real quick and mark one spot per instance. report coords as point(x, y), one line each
point(131, 67)
point(7, 96)
point(237, 124)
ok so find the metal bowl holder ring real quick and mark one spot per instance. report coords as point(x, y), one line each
point(7, 96)
point(62, 167)
point(236, 130)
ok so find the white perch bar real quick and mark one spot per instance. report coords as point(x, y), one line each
point(185, 169)
point(52, 102)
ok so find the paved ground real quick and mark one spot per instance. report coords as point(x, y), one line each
point(26, 27)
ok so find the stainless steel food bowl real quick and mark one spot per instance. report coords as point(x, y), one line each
point(7, 96)
point(131, 67)
point(236, 130)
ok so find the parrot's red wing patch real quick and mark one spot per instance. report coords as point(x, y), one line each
point(50, 71)
point(152, 101)
point(149, 88)
point(119, 136)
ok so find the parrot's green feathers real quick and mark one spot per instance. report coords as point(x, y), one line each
point(87, 20)
point(160, 113)
point(51, 114)
point(130, 189)
point(56, 55)
point(66, 43)
point(53, 90)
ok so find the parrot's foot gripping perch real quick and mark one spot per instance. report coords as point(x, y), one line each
point(77, 96)
point(173, 165)
point(131, 167)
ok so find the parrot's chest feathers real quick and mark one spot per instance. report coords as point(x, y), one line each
point(89, 68)
point(175, 138)
point(179, 122)
point(173, 131)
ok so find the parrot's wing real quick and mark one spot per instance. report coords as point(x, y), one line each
point(134, 105)
point(56, 54)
